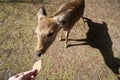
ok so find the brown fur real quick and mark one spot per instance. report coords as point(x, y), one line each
point(65, 18)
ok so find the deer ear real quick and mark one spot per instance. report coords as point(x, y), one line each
point(41, 12)
point(63, 18)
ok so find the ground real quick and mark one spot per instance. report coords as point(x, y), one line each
point(93, 52)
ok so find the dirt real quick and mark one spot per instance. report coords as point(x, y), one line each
point(93, 52)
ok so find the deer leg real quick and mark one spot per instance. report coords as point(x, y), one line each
point(66, 38)
point(61, 36)
point(83, 19)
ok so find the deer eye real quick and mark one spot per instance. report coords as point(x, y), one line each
point(50, 34)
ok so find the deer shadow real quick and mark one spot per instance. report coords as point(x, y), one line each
point(98, 37)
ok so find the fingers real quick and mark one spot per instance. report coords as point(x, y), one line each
point(30, 75)
point(16, 77)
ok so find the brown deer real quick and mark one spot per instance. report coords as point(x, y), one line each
point(48, 27)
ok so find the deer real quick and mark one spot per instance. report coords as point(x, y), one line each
point(64, 19)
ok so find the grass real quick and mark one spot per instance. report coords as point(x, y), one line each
point(17, 43)
point(16, 36)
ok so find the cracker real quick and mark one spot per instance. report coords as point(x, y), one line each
point(37, 65)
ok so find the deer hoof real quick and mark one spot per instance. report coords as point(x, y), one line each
point(60, 39)
point(66, 46)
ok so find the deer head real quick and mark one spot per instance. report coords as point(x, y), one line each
point(47, 29)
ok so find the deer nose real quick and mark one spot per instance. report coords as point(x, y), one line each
point(38, 53)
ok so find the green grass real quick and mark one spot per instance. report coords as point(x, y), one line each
point(17, 48)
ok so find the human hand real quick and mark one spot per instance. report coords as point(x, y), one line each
point(28, 75)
